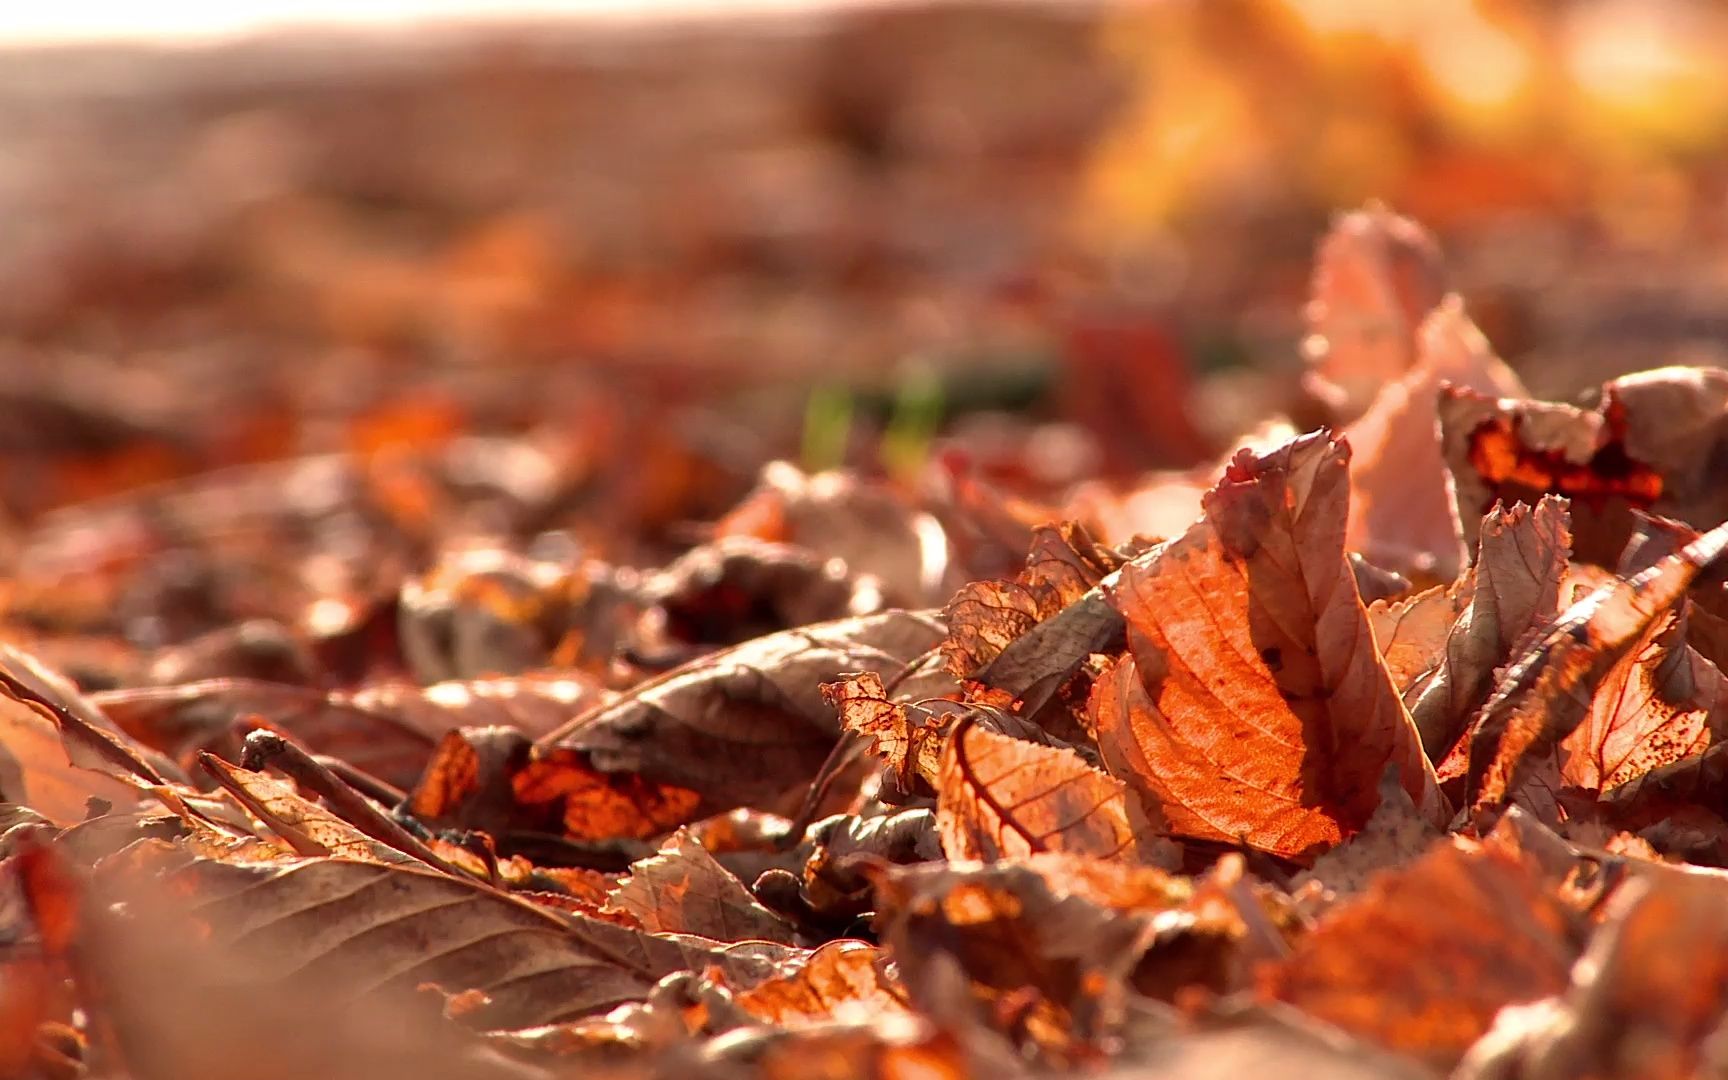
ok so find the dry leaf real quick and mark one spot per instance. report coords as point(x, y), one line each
point(1661, 703)
point(1426, 956)
point(1044, 967)
point(1376, 276)
point(35, 770)
point(1647, 999)
point(359, 929)
point(1652, 444)
point(870, 528)
point(745, 725)
point(1252, 706)
point(1514, 591)
point(907, 738)
point(1000, 798)
point(737, 588)
point(1546, 694)
point(680, 889)
point(1401, 508)
point(843, 975)
point(496, 781)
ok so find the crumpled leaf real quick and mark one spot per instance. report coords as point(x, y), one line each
point(680, 889)
point(908, 739)
point(1375, 277)
point(1423, 960)
point(1046, 968)
point(1661, 703)
point(746, 725)
point(1646, 1000)
point(1546, 694)
point(1252, 706)
point(1401, 508)
point(496, 781)
point(1411, 633)
point(1000, 797)
point(841, 975)
point(1652, 444)
point(306, 828)
point(986, 617)
point(1513, 591)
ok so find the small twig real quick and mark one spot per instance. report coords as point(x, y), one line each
point(267, 748)
point(379, 791)
point(839, 759)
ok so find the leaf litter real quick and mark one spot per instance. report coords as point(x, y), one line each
point(1400, 753)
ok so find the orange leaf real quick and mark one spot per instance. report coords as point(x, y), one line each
point(1401, 510)
point(1425, 958)
point(1543, 697)
point(1001, 797)
point(1252, 706)
point(1377, 274)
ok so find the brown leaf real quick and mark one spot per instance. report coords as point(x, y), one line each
point(1645, 1001)
point(1000, 797)
point(35, 770)
point(1514, 591)
point(680, 889)
point(1377, 274)
point(1044, 967)
point(841, 973)
point(1424, 959)
point(305, 827)
point(1661, 703)
point(1401, 508)
point(387, 731)
point(746, 725)
point(737, 588)
point(985, 617)
point(869, 527)
point(908, 739)
point(1252, 706)
point(1411, 633)
point(359, 929)
point(496, 781)
point(1652, 444)
point(1546, 694)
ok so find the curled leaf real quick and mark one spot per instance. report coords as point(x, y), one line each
point(1252, 706)
point(680, 889)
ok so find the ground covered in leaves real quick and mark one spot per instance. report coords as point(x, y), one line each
point(1392, 749)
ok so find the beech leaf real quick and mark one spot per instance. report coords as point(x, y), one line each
point(1252, 706)
point(1001, 797)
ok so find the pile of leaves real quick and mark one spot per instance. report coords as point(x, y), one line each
point(1393, 749)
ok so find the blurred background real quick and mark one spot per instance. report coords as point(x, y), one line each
point(663, 243)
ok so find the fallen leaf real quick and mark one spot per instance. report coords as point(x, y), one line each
point(843, 975)
point(1514, 591)
point(680, 889)
point(1401, 508)
point(1546, 694)
point(358, 929)
point(908, 739)
point(746, 725)
point(1252, 706)
point(1423, 959)
point(1652, 444)
point(737, 588)
point(494, 780)
point(1646, 1000)
point(1047, 969)
point(1000, 797)
point(1375, 277)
